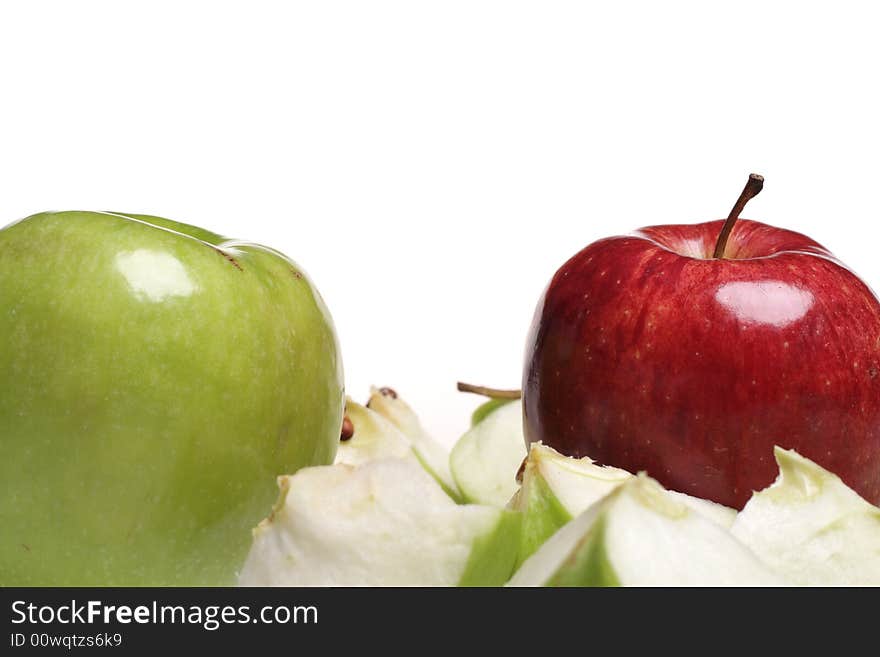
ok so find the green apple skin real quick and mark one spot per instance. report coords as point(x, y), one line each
point(487, 408)
point(156, 378)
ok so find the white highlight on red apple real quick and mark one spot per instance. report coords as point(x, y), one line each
point(776, 303)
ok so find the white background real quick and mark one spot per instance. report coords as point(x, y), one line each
point(431, 164)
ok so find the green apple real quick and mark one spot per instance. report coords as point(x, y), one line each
point(156, 378)
point(812, 528)
point(557, 488)
point(385, 522)
point(640, 535)
point(485, 460)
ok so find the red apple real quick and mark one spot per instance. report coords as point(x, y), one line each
point(649, 353)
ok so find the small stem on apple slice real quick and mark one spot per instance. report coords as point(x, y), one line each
point(491, 393)
point(753, 187)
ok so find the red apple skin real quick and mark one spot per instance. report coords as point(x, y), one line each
point(647, 354)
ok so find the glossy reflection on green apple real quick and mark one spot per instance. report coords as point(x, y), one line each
point(156, 378)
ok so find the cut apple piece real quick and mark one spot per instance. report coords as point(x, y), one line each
point(432, 455)
point(557, 488)
point(377, 436)
point(383, 523)
point(486, 458)
point(374, 437)
point(640, 535)
point(486, 408)
point(717, 513)
point(811, 527)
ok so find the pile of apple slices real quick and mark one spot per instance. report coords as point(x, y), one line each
point(397, 510)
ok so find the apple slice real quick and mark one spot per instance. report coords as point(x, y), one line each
point(811, 527)
point(432, 455)
point(483, 411)
point(717, 513)
point(640, 535)
point(557, 488)
point(485, 460)
point(376, 436)
point(383, 523)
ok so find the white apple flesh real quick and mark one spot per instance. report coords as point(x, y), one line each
point(383, 523)
point(812, 528)
point(485, 460)
point(431, 454)
point(557, 488)
point(640, 535)
point(376, 436)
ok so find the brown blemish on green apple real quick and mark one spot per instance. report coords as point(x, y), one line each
point(229, 258)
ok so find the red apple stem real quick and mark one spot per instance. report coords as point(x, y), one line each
point(491, 393)
point(753, 187)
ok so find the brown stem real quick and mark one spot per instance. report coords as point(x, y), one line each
point(753, 187)
point(491, 393)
